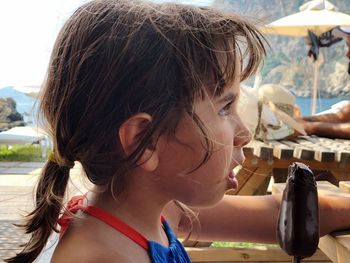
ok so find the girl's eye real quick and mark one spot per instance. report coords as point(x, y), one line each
point(227, 109)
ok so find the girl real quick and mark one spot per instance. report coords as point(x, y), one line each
point(144, 96)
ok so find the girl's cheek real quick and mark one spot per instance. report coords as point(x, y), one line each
point(227, 135)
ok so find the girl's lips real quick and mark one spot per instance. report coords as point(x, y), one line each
point(233, 183)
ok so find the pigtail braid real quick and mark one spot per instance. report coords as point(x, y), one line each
point(43, 219)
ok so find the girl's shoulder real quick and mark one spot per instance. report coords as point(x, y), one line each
point(77, 248)
point(88, 255)
point(89, 240)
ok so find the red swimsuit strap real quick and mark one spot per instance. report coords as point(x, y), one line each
point(73, 206)
point(76, 204)
point(117, 224)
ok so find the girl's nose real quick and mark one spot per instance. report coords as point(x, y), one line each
point(242, 136)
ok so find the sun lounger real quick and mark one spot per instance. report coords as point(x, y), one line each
point(25, 135)
point(336, 107)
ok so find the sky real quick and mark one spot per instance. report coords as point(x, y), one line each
point(28, 29)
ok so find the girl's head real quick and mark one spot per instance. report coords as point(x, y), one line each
point(157, 66)
point(115, 59)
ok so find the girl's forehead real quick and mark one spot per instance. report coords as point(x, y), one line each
point(230, 71)
point(228, 92)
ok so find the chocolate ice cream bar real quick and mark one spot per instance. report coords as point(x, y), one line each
point(298, 221)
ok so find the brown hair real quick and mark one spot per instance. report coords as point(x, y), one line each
point(113, 59)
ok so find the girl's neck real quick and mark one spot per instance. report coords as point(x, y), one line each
point(139, 209)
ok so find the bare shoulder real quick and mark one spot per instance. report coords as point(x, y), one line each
point(89, 255)
point(83, 247)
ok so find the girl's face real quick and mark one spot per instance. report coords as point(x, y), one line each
point(179, 157)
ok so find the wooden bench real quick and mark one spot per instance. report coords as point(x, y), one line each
point(265, 159)
point(258, 254)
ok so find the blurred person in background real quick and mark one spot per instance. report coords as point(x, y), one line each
point(333, 124)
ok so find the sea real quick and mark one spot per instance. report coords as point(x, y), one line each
point(27, 107)
point(322, 104)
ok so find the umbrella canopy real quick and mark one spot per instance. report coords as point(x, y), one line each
point(318, 16)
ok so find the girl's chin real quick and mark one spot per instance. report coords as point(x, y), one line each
point(209, 202)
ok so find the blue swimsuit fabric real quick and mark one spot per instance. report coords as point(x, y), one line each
point(175, 253)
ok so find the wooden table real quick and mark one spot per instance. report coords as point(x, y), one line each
point(265, 158)
point(337, 245)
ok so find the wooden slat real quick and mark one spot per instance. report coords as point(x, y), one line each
point(262, 150)
point(247, 254)
point(343, 248)
point(248, 149)
point(344, 186)
point(264, 185)
point(250, 179)
point(243, 176)
point(300, 152)
point(346, 142)
point(252, 186)
point(322, 153)
point(328, 246)
point(331, 143)
point(304, 148)
point(340, 172)
point(280, 150)
point(343, 241)
point(343, 157)
point(342, 150)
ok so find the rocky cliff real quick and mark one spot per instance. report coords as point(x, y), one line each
point(287, 62)
point(25, 103)
point(9, 117)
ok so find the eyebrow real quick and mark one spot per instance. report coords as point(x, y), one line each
point(230, 96)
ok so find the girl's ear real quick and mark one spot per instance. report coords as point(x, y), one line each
point(130, 133)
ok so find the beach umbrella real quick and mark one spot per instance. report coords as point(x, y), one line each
point(315, 17)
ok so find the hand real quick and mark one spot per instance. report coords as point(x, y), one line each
point(305, 124)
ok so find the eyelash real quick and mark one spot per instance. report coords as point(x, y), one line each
point(227, 109)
